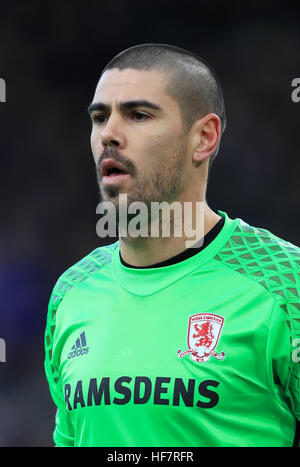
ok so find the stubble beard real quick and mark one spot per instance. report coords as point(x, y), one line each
point(160, 183)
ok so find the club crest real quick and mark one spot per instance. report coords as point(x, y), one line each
point(204, 331)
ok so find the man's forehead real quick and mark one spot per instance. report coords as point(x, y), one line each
point(131, 83)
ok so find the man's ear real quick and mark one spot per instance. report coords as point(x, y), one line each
point(206, 137)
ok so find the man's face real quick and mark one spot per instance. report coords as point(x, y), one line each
point(138, 141)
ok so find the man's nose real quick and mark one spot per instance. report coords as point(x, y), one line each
point(112, 134)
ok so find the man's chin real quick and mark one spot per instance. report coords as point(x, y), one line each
point(110, 193)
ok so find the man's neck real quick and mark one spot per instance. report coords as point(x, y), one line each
point(151, 250)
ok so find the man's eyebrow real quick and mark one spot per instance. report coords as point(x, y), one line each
point(138, 103)
point(127, 105)
point(98, 106)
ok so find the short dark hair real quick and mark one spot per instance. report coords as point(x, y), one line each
point(192, 81)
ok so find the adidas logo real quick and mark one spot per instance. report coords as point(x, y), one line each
point(80, 347)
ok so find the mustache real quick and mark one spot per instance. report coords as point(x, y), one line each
point(112, 152)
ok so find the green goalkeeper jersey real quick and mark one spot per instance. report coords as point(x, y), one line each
point(203, 352)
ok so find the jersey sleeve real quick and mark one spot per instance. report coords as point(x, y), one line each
point(284, 354)
point(63, 435)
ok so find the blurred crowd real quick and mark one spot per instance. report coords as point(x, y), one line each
point(51, 55)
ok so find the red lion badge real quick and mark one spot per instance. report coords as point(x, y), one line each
point(203, 335)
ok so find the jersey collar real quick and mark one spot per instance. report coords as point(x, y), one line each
point(149, 281)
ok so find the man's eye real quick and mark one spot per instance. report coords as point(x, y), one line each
point(99, 119)
point(139, 116)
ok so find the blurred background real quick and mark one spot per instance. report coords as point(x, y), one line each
point(51, 55)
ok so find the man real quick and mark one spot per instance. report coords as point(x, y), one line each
point(151, 343)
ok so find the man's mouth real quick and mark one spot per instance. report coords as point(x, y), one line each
point(112, 171)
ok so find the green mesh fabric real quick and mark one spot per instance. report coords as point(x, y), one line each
point(73, 276)
point(275, 264)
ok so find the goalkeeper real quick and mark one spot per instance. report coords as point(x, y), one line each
point(152, 343)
